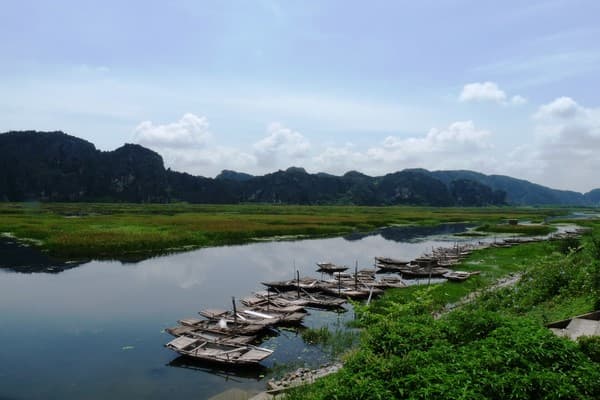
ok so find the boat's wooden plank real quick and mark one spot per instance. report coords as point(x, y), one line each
point(181, 342)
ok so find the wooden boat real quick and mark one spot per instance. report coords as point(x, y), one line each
point(366, 273)
point(218, 352)
point(423, 272)
point(390, 282)
point(448, 262)
point(242, 316)
point(216, 337)
point(285, 318)
point(457, 276)
point(273, 309)
point(315, 300)
point(351, 292)
point(330, 267)
point(305, 283)
point(272, 298)
point(391, 267)
point(390, 261)
point(425, 261)
point(238, 328)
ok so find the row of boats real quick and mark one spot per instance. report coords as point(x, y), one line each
point(227, 336)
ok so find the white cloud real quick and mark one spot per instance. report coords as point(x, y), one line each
point(518, 100)
point(339, 160)
point(567, 142)
point(281, 142)
point(484, 91)
point(488, 92)
point(188, 145)
point(460, 145)
point(189, 131)
point(562, 107)
point(562, 154)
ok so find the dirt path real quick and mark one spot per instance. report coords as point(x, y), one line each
point(510, 280)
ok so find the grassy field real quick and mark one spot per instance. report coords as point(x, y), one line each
point(113, 230)
point(495, 347)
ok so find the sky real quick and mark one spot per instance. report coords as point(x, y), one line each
point(507, 87)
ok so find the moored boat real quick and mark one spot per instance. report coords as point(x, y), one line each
point(457, 276)
point(238, 327)
point(330, 267)
point(242, 316)
point(210, 336)
point(218, 352)
point(390, 261)
point(315, 300)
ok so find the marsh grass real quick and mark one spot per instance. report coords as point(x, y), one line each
point(334, 343)
point(105, 230)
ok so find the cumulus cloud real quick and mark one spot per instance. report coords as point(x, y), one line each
point(488, 92)
point(460, 135)
point(188, 145)
point(562, 152)
point(189, 131)
point(341, 159)
point(281, 142)
point(562, 107)
point(567, 141)
point(459, 145)
point(484, 91)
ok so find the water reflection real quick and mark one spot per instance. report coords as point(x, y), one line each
point(96, 331)
point(411, 233)
point(20, 257)
point(228, 373)
point(23, 258)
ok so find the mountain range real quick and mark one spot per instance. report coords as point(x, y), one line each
point(54, 166)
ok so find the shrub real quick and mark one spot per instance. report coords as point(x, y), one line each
point(590, 345)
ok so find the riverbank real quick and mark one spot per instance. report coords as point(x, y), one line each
point(99, 230)
point(495, 346)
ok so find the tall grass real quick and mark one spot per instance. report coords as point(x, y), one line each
point(106, 230)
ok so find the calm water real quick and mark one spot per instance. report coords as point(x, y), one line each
point(95, 330)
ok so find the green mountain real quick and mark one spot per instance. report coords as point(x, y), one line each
point(54, 166)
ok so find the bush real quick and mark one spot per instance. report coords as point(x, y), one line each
point(568, 244)
point(590, 345)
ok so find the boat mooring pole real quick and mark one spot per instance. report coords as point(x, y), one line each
point(339, 285)
point(298, 282)
point(356, 275)
point(234, 311)
point(370, 295)
point(429, 280)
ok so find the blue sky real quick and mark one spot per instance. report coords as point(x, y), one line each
point(500, 87)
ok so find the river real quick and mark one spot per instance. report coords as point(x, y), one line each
point(94, 330)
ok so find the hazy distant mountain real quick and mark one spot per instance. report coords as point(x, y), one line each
point(53, 166)
point(518, 191)
point(234, 176)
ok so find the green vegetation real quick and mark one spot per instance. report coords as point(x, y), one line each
point(334, 343)
point(110, 230)
point(528, 229)
point(493, 347)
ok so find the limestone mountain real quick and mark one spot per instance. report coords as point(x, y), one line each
point(54, 166)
